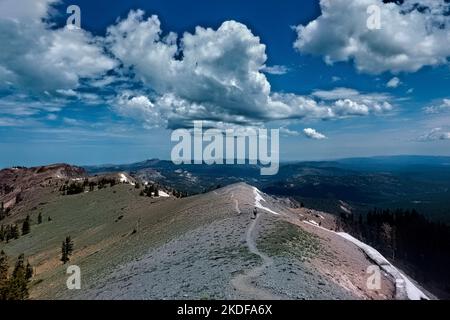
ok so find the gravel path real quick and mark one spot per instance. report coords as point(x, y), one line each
point(243, 282)
point(236, 203)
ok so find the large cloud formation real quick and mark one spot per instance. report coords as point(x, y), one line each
point(413, 34)
point(217, 75)
point(39, 59)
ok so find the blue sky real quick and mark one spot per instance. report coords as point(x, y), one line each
point(94, 96)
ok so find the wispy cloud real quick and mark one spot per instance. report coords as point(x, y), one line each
point(288, 132)
point(14, 122)
point(393, 83)
point(435, 134)
point(335, 79)
point(443, 106)
point(276, 69)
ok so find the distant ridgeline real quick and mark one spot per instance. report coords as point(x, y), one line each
point(384, 182)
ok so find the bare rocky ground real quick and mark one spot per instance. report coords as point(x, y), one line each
point(236, 256)
point(197, 265)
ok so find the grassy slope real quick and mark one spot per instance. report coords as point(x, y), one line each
point(288, 239)
point(101, 240)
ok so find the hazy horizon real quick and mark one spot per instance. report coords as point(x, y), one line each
point(281, 161)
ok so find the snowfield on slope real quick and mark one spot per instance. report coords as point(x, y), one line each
point(258, 198)
point(402, 283)
point(404, 287)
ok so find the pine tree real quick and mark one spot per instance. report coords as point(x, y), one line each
point(2, 211)
point(66, 249)
point(26, 226)
point(2, 233)
point(69, 245)
point(3, 275)
point(3, 266)
point(14, 231)
point(18, 283)
point(8, 235)
point(20, 266)
point(64, 255)
point(75, 188)
point(150, 189)
point(28, 271)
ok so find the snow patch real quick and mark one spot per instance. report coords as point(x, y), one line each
point(345, 209)
point(123, 179)
point(163, 194)
point(258, 198)
point(317, 226)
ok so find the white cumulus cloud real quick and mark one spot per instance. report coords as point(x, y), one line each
point(138, 107)
point(215, 75)
point(159, 78)
point(313, 134)
point(38, 58)
point(349, 102)
point(393, 83)
point(413, 34)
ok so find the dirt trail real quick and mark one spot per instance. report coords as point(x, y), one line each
point(236, 204)
point(243, 281)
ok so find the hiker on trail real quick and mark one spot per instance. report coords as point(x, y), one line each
point(255, 213)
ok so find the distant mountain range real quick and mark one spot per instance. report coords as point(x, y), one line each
point(420, 182)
